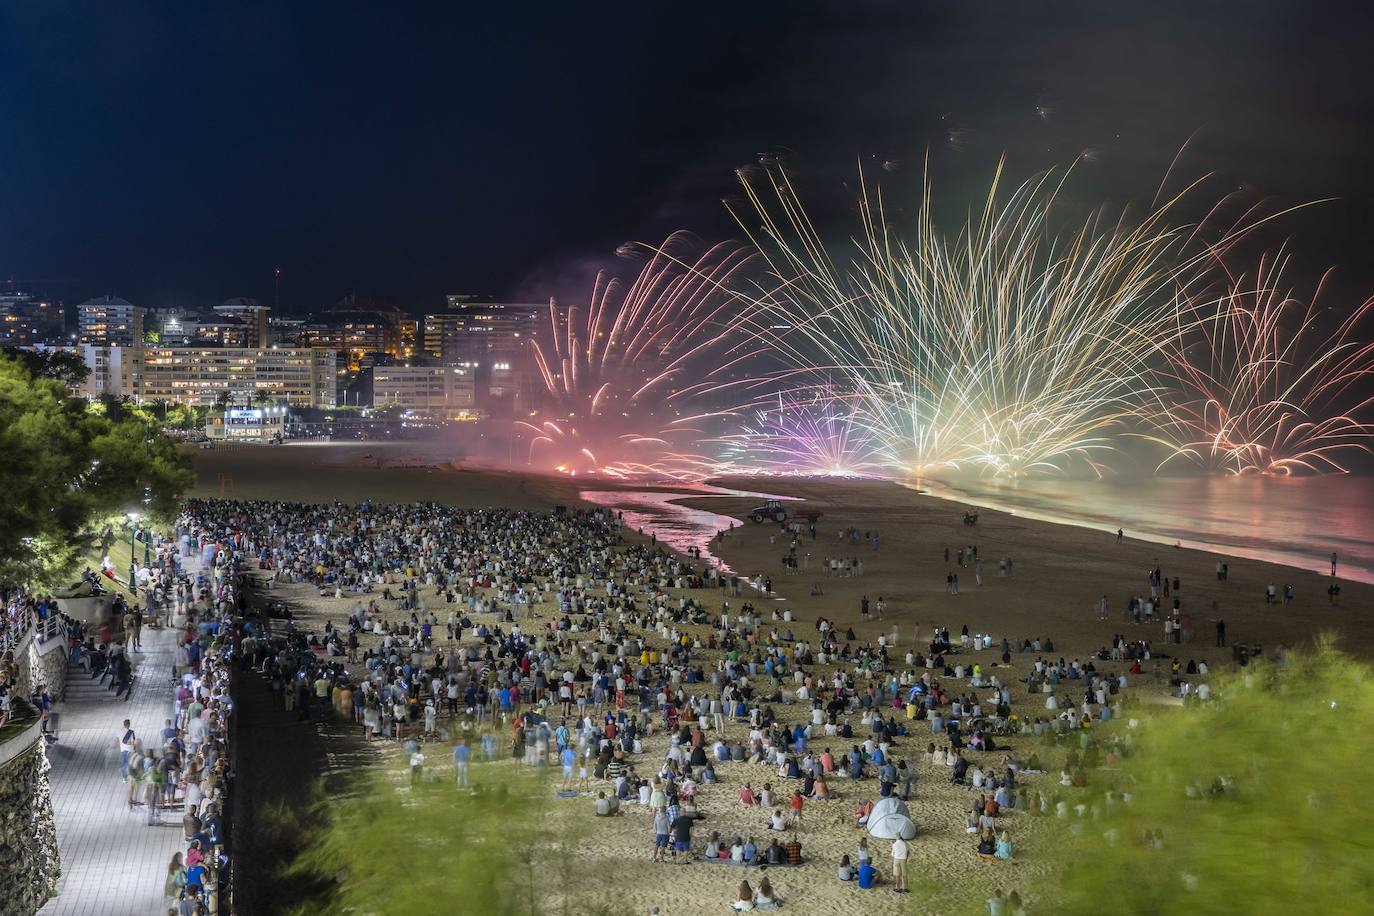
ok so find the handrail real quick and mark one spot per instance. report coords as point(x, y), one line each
point(18, 627)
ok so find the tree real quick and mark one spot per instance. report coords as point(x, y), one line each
point(1251, 795)
point(67, 468)
point(59, 365)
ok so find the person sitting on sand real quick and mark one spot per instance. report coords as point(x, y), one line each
point(713, 850)
point(1005, 849)
point(846, 870)
point(764, 897)
point(744, 897)
point(751, 852)
point(746, 797)
point(868, 875)
point(861, 812)
point(775, 854)
point(777, 821)
point(987, 845)
point(865, 855)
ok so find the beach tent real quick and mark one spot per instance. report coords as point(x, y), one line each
point(890, 820)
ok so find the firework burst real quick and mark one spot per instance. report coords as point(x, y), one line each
point(820, 435)
point(1269, 385)
point(1004, 349)
point(614, 369)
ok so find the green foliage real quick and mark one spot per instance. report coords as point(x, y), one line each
point(68, 469)
point(393, 847)
point(58, 365)
point(184, 416)
point(1256, 795)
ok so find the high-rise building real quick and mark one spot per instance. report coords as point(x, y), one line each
point(115, 372)
point(300, 377)
point(446, 392)
point(27, 319)
point(110, 321)
point(474, 331)
point(250, 315)
point(355, 328)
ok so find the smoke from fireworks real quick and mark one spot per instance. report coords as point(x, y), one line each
point(1261, 388)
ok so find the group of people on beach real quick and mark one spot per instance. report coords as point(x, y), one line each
point(583, 646)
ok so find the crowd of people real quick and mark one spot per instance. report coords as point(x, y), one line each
point(182, 771)
point(554, 639)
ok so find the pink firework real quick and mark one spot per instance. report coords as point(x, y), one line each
point(619, 372)
point(1269, 384)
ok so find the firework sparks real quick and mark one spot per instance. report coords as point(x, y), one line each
point(616, 364)
point(1262, 389)
point(1005, 348)
point(822, 435)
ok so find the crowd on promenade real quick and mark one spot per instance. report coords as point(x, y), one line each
point(551, 638)
point(182, 771)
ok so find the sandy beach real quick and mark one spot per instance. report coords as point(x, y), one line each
point(1059, 574)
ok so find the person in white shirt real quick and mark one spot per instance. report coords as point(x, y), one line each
point(900, 852)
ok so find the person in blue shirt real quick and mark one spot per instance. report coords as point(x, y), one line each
point(868, 875)
point(568, 756)
point(461, 752)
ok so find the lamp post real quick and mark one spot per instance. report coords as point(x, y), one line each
point(133, 520)
point(147, 537)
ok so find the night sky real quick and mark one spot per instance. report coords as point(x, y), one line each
point(176, 153)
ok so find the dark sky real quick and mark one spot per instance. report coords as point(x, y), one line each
point(175, 153)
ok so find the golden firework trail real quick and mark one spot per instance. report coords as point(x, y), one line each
point(1005, 348)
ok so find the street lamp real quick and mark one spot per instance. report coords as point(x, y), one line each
point(133, 520)
point(147, 538)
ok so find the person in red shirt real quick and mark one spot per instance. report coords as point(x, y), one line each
point(797, 803)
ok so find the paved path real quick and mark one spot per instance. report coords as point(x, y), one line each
point(113, 864)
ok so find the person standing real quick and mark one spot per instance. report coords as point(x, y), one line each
point(1333, 564)
point(900, 852)
point(126, 746)
point(1119, 535)
point(461, 753)
point(1221, 633)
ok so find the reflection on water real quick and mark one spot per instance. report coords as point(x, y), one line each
point(678, 527)
point(1295, 521)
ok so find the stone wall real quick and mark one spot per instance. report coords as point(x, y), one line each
point(50, 666)
point(29, 864)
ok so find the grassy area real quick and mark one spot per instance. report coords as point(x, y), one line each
point(119, 556)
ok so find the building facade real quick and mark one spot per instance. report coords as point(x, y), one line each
point(115, 372)
point(27, 320)
point(201, 376)
point(445, 392)
point(473, 332)
point(110, 322)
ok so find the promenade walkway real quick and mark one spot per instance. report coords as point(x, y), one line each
point(113, 863)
